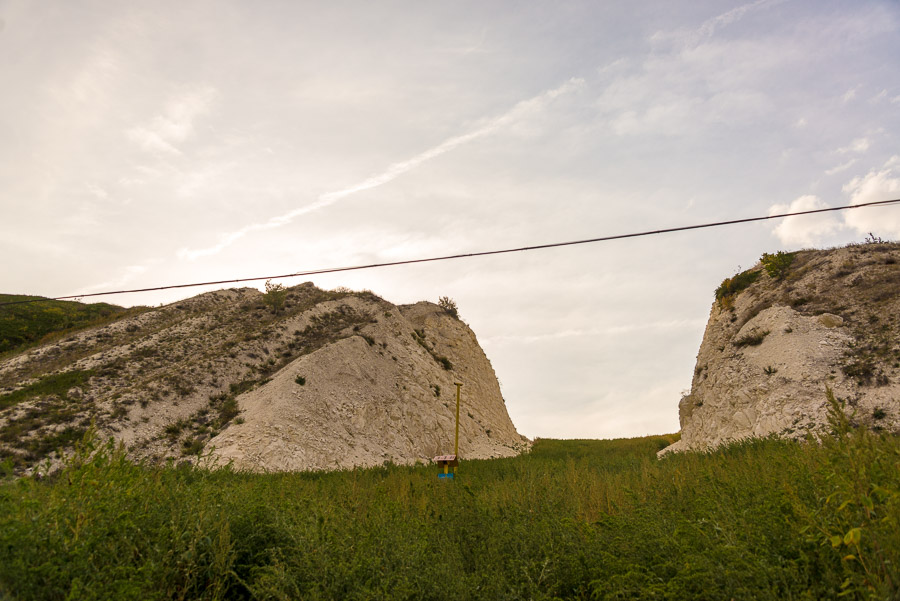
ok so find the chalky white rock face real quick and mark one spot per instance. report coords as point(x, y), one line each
point(363, 404)
point(214, 379)
point(770, 353)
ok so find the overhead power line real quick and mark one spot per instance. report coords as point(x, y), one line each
point(465, 255)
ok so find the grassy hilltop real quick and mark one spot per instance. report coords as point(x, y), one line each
point(766, 519)
point(29, 322)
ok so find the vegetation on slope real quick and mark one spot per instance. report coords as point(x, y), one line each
point(766, 519)
point(200, 352)
point(27, 323)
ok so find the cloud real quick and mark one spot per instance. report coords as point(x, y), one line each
point(804, 230)
point(879, 97)
point(694, 80)
point(878, 184)
point(709, 27)
point(858, 145)
point(517, 113)
point(176, 122)
point(841, 167)
point(849, 95)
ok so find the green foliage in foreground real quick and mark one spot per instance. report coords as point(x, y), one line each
point(574, 519)
point(26, 323)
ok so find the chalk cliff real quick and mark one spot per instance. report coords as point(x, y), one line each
point(324, 380)
point(783, 332)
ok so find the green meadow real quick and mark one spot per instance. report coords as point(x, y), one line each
point(573, 519)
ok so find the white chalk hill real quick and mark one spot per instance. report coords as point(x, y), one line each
point(381, 396)
point(333, 379)
point(772, 348)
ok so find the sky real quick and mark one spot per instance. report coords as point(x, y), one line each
point(166, 142)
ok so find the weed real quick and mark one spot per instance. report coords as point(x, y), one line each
point(863, 371)
point(731, 287)
point(572, 519)
point(228, 411)
point(174, 429)
point(449, 305)
point(300, 380)
point(754, 338)
point(191, 446)
point(56, 384)
point(873, 239)
point(770, 371)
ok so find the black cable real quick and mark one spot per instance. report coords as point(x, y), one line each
point(462, 256)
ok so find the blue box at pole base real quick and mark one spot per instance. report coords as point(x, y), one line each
point(447, 475)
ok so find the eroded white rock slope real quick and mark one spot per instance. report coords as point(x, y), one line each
point(770, 352)
point(217, 378)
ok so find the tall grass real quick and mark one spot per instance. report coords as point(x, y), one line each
point(571, 520)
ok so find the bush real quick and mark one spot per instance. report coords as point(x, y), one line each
point(449, 305)
point(777, 265)
point(731, 287)
point(275, 296)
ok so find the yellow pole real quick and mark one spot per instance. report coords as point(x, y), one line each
point(456, 445)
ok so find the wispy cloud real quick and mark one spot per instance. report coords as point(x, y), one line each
point(858, 145)
point(518, 112)
point(694, 79)
point(849, 95)
point(841, 167)
point(175, 123)
point(709, 27)
point(878, 97)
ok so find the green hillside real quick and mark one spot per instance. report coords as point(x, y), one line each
point(766, 519)
point(26, 323)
